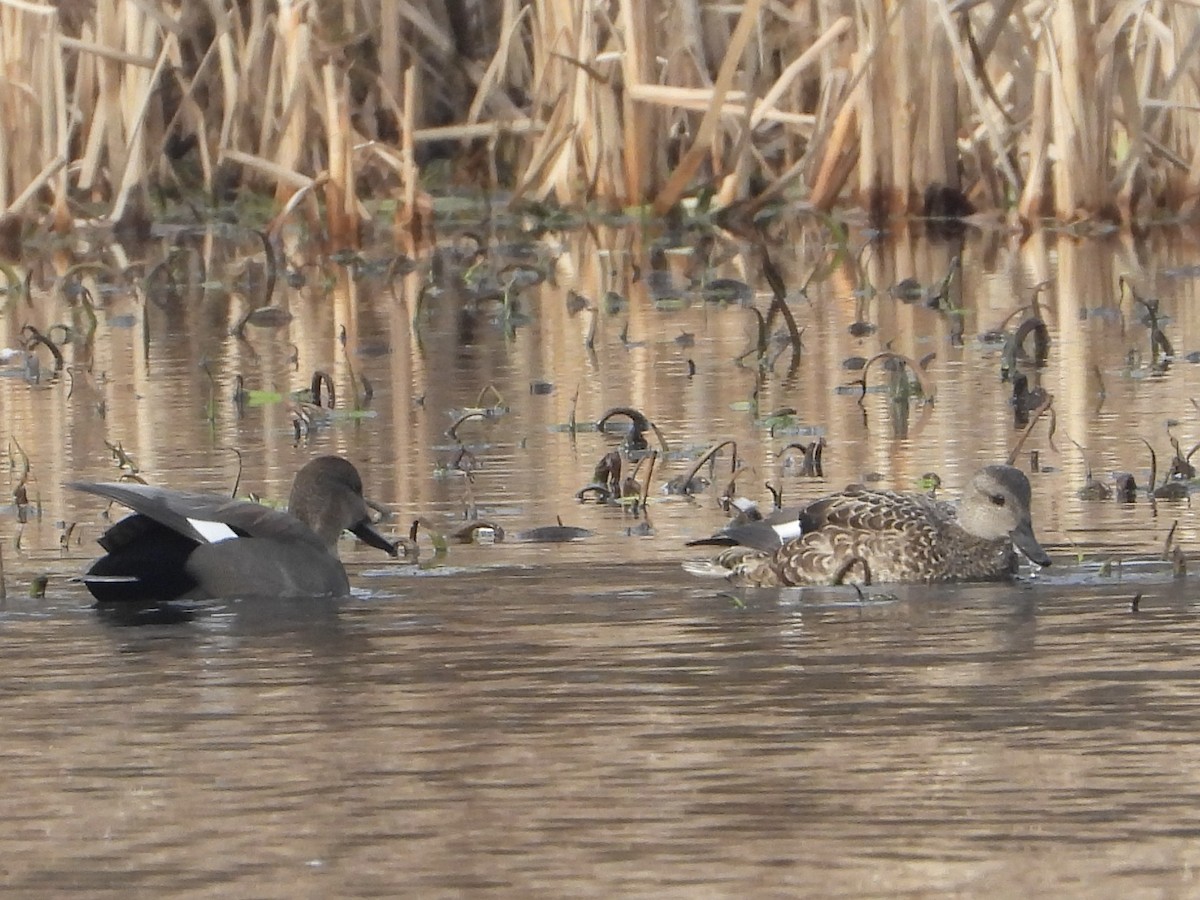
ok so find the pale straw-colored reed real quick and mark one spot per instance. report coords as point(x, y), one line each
point(1024, 109)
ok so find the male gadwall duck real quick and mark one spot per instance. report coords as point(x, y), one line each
point(180, 545)
point(866, 536)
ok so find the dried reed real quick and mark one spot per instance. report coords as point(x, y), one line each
point(1065, 109)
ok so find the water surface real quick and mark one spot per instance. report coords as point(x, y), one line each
point(586, 719)
point(641, 735)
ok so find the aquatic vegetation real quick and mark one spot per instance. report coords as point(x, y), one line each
point(553, 534)
point(19, 462)
point(1180, 475)
point(34, 339)
point(812, 455)
point(479, 412)
point(605, 486)
point(609, 487)
point(1161, 350)
point(575, 387)
point(635, 439)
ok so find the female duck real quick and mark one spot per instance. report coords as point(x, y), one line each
point(866, 536)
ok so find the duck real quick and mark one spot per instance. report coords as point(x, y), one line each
point(184, 545)
point(863, 535)
point(749, 527)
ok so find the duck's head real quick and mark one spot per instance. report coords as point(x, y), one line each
point(996, 505)
point(327, 496)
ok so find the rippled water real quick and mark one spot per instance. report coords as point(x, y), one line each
point(637, 734)
point(585, 719)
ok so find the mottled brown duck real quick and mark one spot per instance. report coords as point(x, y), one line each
point(866, 536)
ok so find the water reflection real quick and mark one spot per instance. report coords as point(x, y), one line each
point(583, 718)
point(523, 734)
point(157, 381)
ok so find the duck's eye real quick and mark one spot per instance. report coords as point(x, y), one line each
point(997, 499)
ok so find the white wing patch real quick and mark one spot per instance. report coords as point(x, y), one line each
point(788, 530)
point(213, 532)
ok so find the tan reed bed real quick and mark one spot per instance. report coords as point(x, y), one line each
point(1030, 109)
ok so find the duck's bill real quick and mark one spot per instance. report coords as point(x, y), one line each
point(366, 533)
point(1028, 544)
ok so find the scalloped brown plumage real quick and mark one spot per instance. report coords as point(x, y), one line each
point(867, 536)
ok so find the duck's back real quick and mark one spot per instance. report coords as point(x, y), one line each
point(861, 535)
point(188, 513)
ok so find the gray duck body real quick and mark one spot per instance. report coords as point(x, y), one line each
point(863, 536)
point(184, 545)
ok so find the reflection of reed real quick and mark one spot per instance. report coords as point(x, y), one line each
point(147, 390)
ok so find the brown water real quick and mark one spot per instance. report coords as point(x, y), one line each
point(586, 719)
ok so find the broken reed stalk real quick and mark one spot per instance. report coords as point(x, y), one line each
point(778, 306)
point(1033, 195)
point(37, 132)
point(637, 69)
point(341, 206)
point(1045, 406)
point(1167, 544)
point(649, 476)
point(673, 190)
point(706, 456)
point(139, 93)
point(237, 481)
point(406, 210)
point(288, 77)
